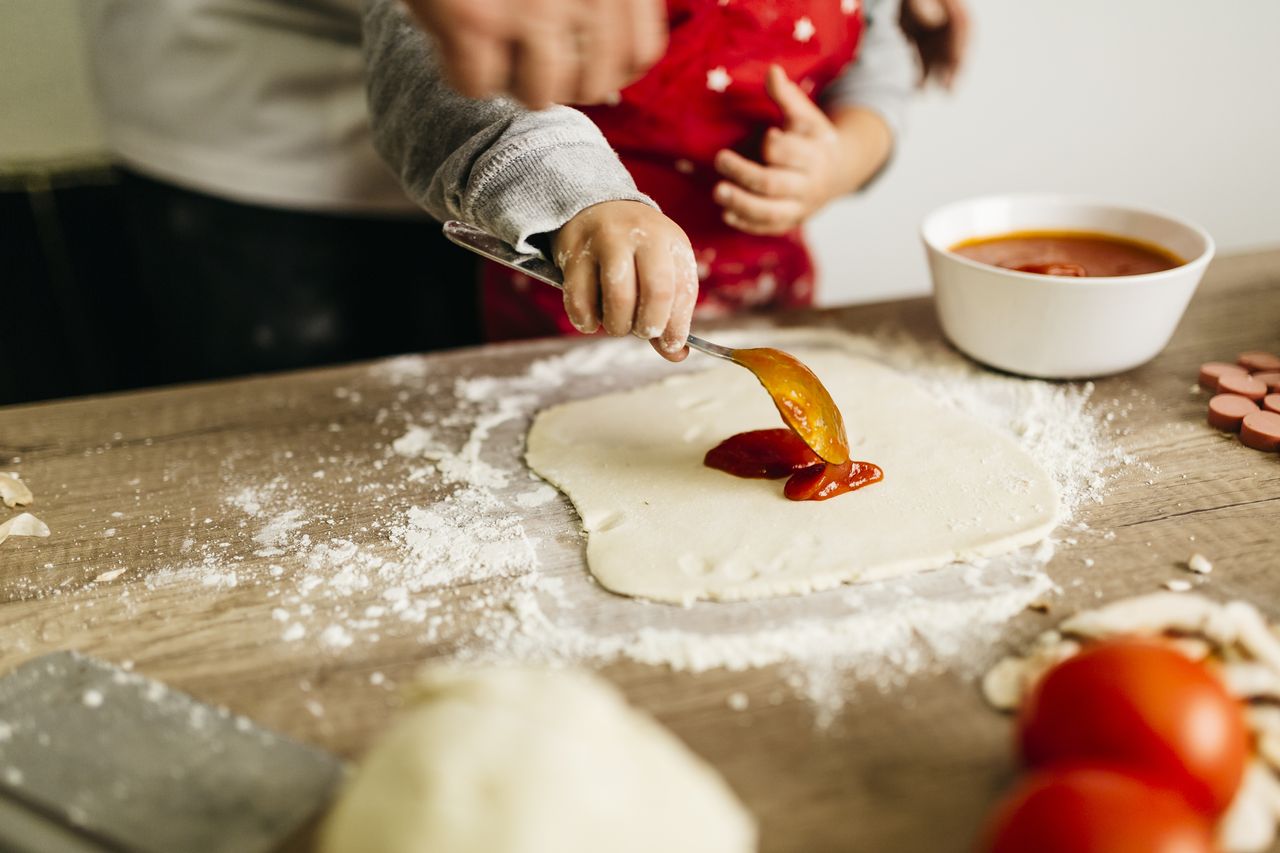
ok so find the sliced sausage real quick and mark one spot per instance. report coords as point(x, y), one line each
point(1259, 360)
point(1211, 372)
point(1270, 378)
point(1226, 411)
point(1271, 403)
point(1245, 386)
point(1261, 430)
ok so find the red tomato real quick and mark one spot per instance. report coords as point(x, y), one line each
point(1143, 706)
point(1094, 809)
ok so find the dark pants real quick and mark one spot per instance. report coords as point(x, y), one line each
point(227, 288)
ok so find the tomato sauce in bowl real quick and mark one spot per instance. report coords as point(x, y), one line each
point(1076, 254)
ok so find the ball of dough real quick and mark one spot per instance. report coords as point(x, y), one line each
point(522, 761)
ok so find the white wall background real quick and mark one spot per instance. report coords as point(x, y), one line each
point(1173, 104)
point(46, 109)
point(1169, 103)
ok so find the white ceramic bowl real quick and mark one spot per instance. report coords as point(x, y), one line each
point(1051, 326)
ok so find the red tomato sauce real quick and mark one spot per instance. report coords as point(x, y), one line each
point(1068, 253)
point(772, 454)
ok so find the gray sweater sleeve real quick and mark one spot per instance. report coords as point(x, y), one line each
point(884, 74)
point(513, 172)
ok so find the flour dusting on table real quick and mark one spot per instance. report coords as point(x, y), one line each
point(471, 553)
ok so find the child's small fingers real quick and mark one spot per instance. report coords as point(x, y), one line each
point(775, 182)
point(672, 345)
point(675, 356)
point(618, 289)
point(802, 114)
point(582, 294)
point(789, 150)
point(765, 215)
point(751, 226)
point(656, 280)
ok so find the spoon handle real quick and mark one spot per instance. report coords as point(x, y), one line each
point(488, 246)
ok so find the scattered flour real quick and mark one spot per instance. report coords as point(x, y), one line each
point(335, 637)
point(455, 559)
point(418, 442)
point(276, 531)
point(538, 497)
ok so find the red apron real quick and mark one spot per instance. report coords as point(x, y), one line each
point(706, 93)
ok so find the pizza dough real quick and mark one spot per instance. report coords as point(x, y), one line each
point(663, 526)
point(521, 761)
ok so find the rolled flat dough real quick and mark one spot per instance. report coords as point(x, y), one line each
point(663, 526)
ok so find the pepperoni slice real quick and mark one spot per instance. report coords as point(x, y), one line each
point(1271, 403)
point(1261, 430)
point(1259, 360)
point(1212, 371)
point(1244, 385)
point(1270, 378)
point(1226, 411)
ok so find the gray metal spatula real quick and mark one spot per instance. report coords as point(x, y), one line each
point(96, 758)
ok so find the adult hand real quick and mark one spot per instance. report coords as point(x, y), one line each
point(630, 268)
point(808, 161)
point(545, 51)
point(939, 30)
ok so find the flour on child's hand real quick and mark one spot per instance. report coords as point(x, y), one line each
point(686, 267)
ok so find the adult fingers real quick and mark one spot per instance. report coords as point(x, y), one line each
point(770, 181)
point(545, 58)
point(618, 288)
point(603, 60)
point(647, 28)
point(802, 115)
point(581, 291)
point(656, 280)
point(788, 150)
point(477, 66)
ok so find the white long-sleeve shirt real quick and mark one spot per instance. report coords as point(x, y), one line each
point(259, 101)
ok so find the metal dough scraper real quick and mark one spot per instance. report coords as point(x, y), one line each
point(95, 758)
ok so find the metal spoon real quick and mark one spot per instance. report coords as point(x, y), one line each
point(802, 400)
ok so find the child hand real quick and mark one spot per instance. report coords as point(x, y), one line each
point(630, 267)
point(807, 163)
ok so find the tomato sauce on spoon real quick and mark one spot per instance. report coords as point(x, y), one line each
point(802, 400)
point(812, 453)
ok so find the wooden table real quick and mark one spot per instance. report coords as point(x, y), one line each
point(910, 769)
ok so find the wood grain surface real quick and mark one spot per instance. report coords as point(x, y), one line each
point(140, 482)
